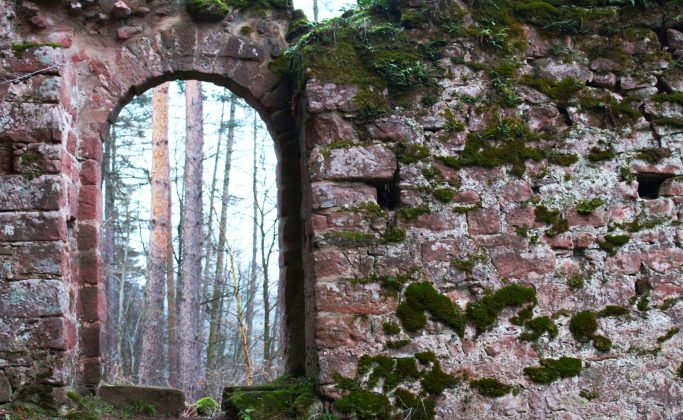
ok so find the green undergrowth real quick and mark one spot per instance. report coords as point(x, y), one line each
point(394, 376)
point(421, 298)
point(484, 312)
point(288, 398)
point(554, 369)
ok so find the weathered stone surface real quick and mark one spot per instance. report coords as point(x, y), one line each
point(44, 226)
point(672, 187)
point(30, 123)
point(331, 194)
point(484, 221)
point(43, 193)
point(520, 265)
point(5, 389)
point(33, 298)
point(26, 260)
point(167, 401)
point(373, 163)
point(343, 297)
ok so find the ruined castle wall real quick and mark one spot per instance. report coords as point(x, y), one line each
point(479, 201)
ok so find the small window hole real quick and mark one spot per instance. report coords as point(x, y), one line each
point(649, 184)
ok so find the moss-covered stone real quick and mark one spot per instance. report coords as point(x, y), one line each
point(583, 326)
point(417, 407)
point(391, 328)
point(208, 10)
point(283, 398)
point(602, 343)
point(366, 405)
point(484, 312)
point(553, 369)
point(504, 143)
point(423, 297)
point(537, 327)
point(490, 387)
point(612, 242)
point(668, 336)
point(411, 213)
point(613, 311)
point(586, 207)
point(436, 381)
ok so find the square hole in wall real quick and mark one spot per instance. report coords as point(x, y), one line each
point(387, 194)
point(650, 183)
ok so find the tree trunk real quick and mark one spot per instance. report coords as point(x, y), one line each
point(222, 238)
point(210, 245)
point(109, 245)
point(251, 289)
point(189, 372)
point(151, 364)
point(242, 327)
point(315, 10)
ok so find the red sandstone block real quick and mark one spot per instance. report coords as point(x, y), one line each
point(436, 221)
point(373, 163)
point(340, 220)
point(521, 217)
point(444, 250)
point(90, 267)
point(331, 194)
point(92, 304)
point(624, 262)
point(327, 128)
point(91, 172)
point(33, 299)
point(517, 190)
point(31, 123)
point(56, 333)
point(672, 187)
point(88, 236)
point(38, 226)
point(25, 260)
point(333, 263)
point(519, 265)
point(561, 241)
point(467, 197)
point(346, 298)
point(91, 368)
point(89, 203)
point(90, 342)
point(484, 221)
point(329, 97)
point(17, 192)
point(41, 158)
point(335, 330)
point(598, 218)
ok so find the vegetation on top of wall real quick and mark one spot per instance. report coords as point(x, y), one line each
point(18, 49)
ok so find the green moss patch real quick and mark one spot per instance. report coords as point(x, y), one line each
point(562, 92)
point(412, 153)
point(411, 213)
point(586, 207)
point(390, 283)
point(553, 218)
point(668, 336)
point(553, 369)
point(505, 143)
point(537, 327)
point(366, 405)
point(466, 265)
point(602, 343)
point(583, 326)
point(680, 370)
point(613, 311)
point(484, 312)
point(653, 155)
point(391, 328)
point(418, 407)
point(445, 195)
point(421, 298)
point(612, 242)
point(490, 387)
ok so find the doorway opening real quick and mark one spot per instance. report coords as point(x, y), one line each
point(191, 242)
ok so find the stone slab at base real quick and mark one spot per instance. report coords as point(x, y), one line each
point(167, 401)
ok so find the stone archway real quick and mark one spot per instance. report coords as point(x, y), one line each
point(85, 77)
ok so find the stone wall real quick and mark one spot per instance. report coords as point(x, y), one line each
point(463, 221)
